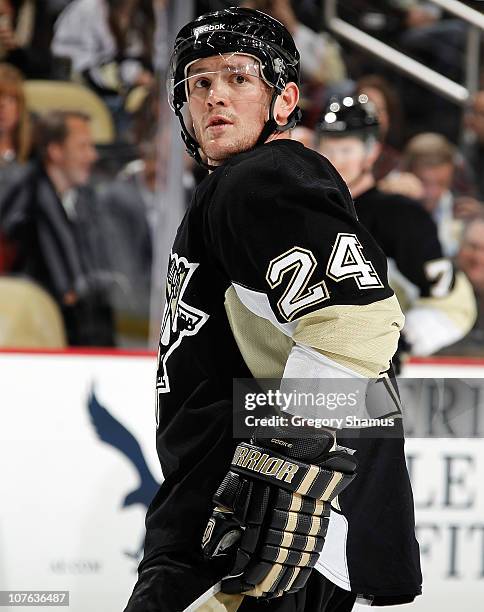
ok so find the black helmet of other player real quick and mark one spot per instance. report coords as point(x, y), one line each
point(350, 116)
point(234, 30)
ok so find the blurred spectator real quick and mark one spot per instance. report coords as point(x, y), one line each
point(475, 149)
point(110, 44)
point(440, 45)
point(25, 36)
point(421, 14)
point(15, 128)
point(129, 208)
point(433, 159)
point(390, 115)
point(51, 217)
point(471, 261)
point(15, 142)
point(321, 59)
point(146, 119)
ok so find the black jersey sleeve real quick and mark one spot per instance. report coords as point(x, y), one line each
point(408, 235)
point(284, 227)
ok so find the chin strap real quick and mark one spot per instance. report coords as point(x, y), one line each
point(191, 144)
point(270, 127)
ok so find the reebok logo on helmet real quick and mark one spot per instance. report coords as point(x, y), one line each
point(208, 28)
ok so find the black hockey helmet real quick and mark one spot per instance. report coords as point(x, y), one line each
point(350, 116)
point(234, 30)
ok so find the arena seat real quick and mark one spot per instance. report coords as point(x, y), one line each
point(43, 96)
point(29, 317)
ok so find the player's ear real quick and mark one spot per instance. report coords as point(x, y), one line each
point(286, 102)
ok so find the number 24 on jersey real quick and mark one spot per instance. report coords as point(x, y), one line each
point(346, 261)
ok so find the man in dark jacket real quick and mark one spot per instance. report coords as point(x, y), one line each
point(50, 217)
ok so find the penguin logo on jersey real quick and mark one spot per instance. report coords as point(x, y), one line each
point(179, 319)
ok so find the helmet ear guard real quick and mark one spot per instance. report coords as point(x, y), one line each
point(235, 30)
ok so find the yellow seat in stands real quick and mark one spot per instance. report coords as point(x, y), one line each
point(29, 316)
point(44, 96)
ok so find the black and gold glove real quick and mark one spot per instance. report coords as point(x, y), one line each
point(274, 504)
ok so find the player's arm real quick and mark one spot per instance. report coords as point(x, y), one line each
point(317, 278)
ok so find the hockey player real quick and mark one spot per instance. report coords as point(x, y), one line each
point(270, 276)
point(437, 300)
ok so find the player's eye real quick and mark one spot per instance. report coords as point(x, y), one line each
point(240, 79)
point(202, 83)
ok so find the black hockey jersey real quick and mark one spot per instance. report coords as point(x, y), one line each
point(268, 249)
point(406, 233)
point(437, 299)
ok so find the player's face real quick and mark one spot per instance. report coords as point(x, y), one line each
point(228, 103)
point(348, 155)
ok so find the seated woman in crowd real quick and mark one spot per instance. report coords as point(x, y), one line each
point(25, 36)
point(110, 45)
point(15, 141)
point(15, 128)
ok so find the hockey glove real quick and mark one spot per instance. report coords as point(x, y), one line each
point(274, 504)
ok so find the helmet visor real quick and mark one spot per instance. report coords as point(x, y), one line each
point(235, 76)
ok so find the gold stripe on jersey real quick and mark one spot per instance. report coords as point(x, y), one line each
point(459, 304)
point(362, 338)
point(265, 359)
